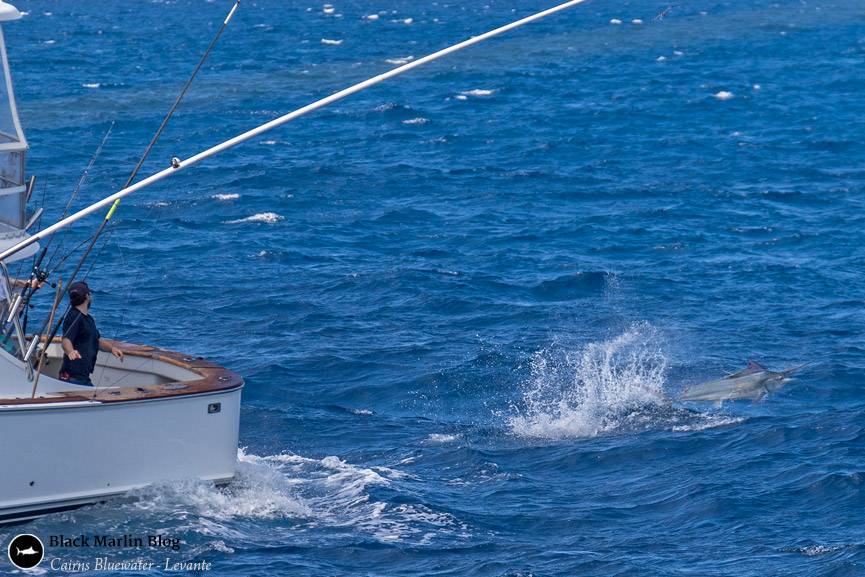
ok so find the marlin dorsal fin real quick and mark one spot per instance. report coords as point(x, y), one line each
point(753, 367)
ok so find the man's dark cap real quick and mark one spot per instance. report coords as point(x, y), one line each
point(79, 290)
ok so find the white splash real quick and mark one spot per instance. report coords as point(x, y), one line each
point(336, 493)
point(615, 21)
point(93, 85)
point(331, 42)
point(723, 95)
point(266, 217)
point(594, 390)
point(371, 16)
point(226, 196)
point(259, 491)
point(416, 121)
point(328, 492)
point(636, 21)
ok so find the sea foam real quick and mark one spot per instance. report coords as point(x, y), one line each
point(400, 61)
point(479, 92)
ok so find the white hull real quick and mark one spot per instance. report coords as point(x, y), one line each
point(63, 450)
point(156, 416)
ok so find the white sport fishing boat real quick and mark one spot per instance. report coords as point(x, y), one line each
point(159, 415)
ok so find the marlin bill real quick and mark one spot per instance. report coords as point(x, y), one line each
point(755, 382)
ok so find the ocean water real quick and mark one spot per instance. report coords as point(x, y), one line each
point(449, 294)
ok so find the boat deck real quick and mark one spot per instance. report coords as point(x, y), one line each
point(146, 373)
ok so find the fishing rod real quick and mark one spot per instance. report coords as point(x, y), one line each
point(82, 243)
point(153, 140)
point(65, 311)
point(128, 182)
point(38, 275)
point(177, 164)
point(75, 192)
point(45, 349)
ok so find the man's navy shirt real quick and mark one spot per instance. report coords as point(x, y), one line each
point(80, 328)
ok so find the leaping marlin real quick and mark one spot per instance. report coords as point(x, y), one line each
point(754, 382)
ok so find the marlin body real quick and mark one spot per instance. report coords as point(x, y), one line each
point(28, 551)
point(755, 382)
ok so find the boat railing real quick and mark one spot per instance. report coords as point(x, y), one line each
point(12, 340)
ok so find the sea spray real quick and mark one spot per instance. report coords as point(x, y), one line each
point(593, 390)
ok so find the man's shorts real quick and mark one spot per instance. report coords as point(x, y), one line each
point(75, 379)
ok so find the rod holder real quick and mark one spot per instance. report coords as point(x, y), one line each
point(34, 218)
point(13, 310)
point(30, 184)
point(31, 348)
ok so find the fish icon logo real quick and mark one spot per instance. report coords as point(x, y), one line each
point(26, 551)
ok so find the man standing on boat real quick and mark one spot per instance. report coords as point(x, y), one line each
point(81, 341)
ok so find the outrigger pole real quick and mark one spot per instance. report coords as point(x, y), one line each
point(177, 165)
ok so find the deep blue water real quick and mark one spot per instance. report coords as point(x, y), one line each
point(448, 294)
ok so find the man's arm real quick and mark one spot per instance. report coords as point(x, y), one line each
point(70, 351)
point(17, 283)
point(108, 347)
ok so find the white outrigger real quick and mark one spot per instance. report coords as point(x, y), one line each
point(159, 415)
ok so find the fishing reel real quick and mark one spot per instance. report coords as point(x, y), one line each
point(41, 276)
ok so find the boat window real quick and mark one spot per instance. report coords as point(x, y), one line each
point(13, 150)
